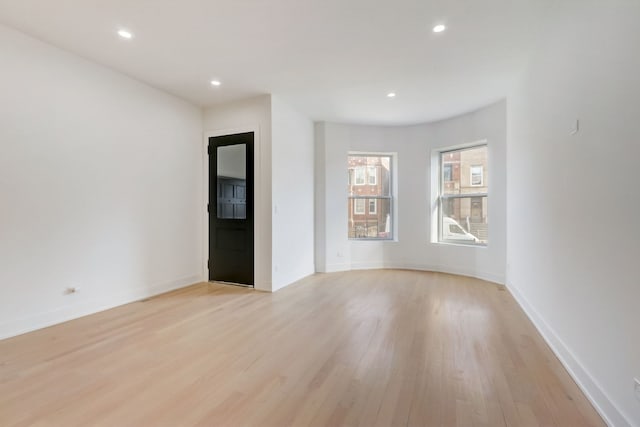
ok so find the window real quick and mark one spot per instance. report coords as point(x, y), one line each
point(447, 169)
point(371, 175)
point(359, 171)
point(476, 175)
point(370, 206)
point(463, 196)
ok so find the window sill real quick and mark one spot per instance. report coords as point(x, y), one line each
point(464, 245)
point(372, 240)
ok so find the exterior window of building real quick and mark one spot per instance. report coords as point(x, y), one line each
point(359, 175)
point(476, 175)
point(463, 196)
point(372, 175)
point(370, 197)
point(447, 172)
point(372, 206)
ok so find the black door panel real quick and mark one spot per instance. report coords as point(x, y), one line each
point(231, 220)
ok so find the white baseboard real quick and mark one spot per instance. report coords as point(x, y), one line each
point(334, 268)
point(587, 383)
point(86, 307)
point(490, 277)
point(370, 265)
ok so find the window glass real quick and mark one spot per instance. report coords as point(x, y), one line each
point(370, 196)
point(453, 228)
point(458, 166)
point(463, 197)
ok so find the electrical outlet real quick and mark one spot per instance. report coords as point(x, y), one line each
point(637, 388)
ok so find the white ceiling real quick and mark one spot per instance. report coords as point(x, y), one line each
point(334, 60)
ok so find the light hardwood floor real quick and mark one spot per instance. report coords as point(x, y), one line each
point(366, 348)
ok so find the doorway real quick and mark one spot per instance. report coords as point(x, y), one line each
point(231, 209)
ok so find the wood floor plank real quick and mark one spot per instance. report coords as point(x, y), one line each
point(361, 348)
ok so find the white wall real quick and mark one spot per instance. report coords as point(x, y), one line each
point(413, 145)
point(252, 114)
point(573, 200)
point(100, 187)
point(292, 195)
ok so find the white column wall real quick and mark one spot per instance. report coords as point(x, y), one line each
point(250, 115)
point(292, 196)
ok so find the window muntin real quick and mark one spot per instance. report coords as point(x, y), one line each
point(463, 196)
point(370, 197)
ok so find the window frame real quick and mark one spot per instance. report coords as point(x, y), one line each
point(357, 211)
point(391, 198)
point(440, 197)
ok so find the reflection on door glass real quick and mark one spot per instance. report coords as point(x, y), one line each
point(232, 181)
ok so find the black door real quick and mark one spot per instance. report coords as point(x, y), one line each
point(231, 208)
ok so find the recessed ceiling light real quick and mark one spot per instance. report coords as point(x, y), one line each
point(215, 83)
point(125, 34)
point(391, 95)
point(439, 28)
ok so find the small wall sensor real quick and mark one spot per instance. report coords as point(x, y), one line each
point(576, 127)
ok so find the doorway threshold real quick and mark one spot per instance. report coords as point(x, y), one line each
point(220, 282)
